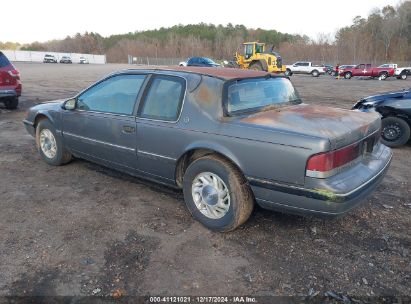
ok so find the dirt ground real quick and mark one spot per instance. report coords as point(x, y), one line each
point(82, 229)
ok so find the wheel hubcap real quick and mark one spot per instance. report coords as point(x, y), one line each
point(391, 132)
point(210, 195)
point(48, 143)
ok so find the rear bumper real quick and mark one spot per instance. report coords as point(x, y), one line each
point(329, 199)
point(8, 93)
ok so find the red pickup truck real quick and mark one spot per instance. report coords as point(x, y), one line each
point(367, 70)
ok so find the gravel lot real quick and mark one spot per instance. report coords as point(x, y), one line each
point(82, 229)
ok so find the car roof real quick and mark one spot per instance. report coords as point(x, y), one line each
point(222, 73)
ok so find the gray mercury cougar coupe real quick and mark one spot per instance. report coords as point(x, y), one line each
point(229, 138)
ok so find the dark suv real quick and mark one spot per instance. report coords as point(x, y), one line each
point(10, 84)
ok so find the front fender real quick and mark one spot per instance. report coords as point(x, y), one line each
point(386, 111)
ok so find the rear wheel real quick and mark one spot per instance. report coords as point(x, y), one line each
point(347, 75)
point(395, 132)
point(49, 144)
point(256, 66)
point(315, 73)
point(217, 194)
point(11, 103)
point(402, 76)
point(383, 75)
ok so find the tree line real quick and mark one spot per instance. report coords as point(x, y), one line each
point(383, 36)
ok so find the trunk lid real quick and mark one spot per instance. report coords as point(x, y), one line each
point(341, 127)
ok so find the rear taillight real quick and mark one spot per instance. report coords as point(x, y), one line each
point(326, 164)
point(14, 74)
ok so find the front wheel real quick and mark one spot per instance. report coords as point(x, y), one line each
point(288, 72)
point(347, 75)
point(50, 145)
point(217, 194)
point(402, 76)
point(383, 76)
point(395, 132)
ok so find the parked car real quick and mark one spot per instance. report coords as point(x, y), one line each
point(83, 60)
point(341, 68)
point(202, 62)
point(49, 59)
point(367, 70)
point(304, 67)
point(10, 83)
point(395, 109)
point(400, 73)
point(328, 68)
point(227, 137)
point(65, 59)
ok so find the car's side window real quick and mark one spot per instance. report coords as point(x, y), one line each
point(164, 98)
point(116, 95)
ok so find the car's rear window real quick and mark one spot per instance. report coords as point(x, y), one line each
point(253, 94)
point(3, 60)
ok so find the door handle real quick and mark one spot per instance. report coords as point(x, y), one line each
point(128, 129)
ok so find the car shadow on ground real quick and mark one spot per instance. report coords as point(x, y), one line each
point(283, 220)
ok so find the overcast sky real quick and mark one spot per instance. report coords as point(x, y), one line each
point(41, 20)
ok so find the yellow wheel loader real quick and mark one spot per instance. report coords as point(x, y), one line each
point(256, 58)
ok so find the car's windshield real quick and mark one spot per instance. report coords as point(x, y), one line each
point(253, 94)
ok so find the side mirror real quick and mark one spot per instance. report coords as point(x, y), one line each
point(70, 104)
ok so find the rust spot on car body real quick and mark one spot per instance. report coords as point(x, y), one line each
point(312, 120)
point(205, 95)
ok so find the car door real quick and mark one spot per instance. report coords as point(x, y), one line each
point(102, 126)
point(300, 67)
point(306, 68)
point(296, 67)
point(157, 124)
point(359, 70)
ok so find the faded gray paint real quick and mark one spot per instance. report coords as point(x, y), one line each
point(271, 147)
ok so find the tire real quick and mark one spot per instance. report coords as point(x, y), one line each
point(403, 76)
point(395, 131)
point(347, 75)
point(61, 156)
point(315, 73)
point(240, 198)
point(256, 66)
point(11, 103)
point(288, 72)
point(383, 75)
